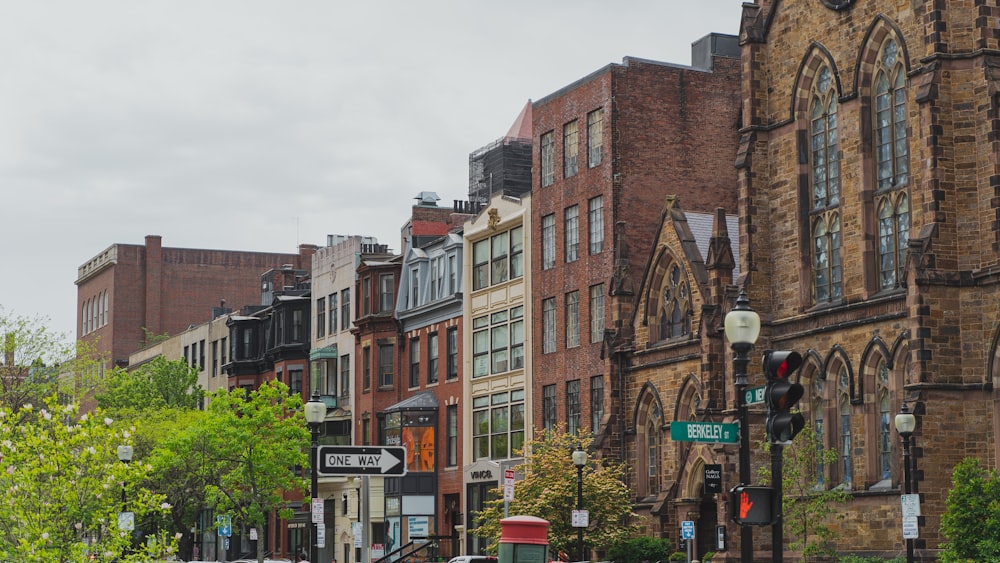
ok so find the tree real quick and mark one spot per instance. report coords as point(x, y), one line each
point(62, 488)
point(807, 504)
point(971, 522)
point(159, 384)
point(37, 363)
point(549, 491)
point(254, 443)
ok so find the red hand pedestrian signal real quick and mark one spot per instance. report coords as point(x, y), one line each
point(750, 505)
point(745, 505)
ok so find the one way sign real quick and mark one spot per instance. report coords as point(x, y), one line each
point(362, 460)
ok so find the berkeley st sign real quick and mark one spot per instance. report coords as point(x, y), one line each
point(361, 460)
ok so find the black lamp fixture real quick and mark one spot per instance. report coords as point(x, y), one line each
point(579, 457)
point(906, 423)
point(315, 413)
point(742, 331)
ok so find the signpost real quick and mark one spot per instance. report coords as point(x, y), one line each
point(362, 460)
point(687, 534)
point(708, 432)
point(754, 395)
point(911, 512)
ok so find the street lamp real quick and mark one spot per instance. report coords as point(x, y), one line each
point(579, 460)
point(126, 520)
point(906, 423)
point(742, 331)
point(315, 411)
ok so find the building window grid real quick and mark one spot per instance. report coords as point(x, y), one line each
point(548, 325)
point(894, 234)
point(827, 266)
point(595, 224)
point(414, 362)
point(891, 147)
point(332, 299)
point(571, 149)
point(573, 406)
point(451, 452)
point(387, 292)
point(549, 406)
point(366, 368)
point(548, 157)
point(844, 408)
point(345, 309)
point(572, 232)
point(386, 354)
point(432, 358)
point(595, 137)
point(824, 154)
point(345, 375)
point(548, 241)
point(596, 313)
point(596, 402)
point(498, 342)
point(321, 317)
point(884, 421)
point(366, 296)
point(498, 425)
point(573, 319)
point(452, 353)
point(675, 306)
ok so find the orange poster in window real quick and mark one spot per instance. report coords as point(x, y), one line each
point(427, 449)
point(411, 449)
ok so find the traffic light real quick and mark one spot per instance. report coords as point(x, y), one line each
point(751, 505)
point(781, 394)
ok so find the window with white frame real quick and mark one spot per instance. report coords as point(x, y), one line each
point(498, 342)
point(480, 264)
point(414, 362)
point(452, 344)
point(345, 309)
point(333, 312)
point(321, 317)
point(387, 292)
point(432, 357)
point(386, 354)
point(498, 425)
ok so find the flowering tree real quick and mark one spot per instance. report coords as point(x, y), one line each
point(62, 488)
point(549, 491)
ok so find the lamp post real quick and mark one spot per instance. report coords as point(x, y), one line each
point(742, 331)
point(906, 423)
point(579, 460)
point(126, 520)
point(315, 411)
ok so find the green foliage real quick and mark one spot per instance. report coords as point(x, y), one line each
point(643, 548)
point(807, 505)
point(34, 361)
point(859, 559)
point(149, 337)
point(61, 484)
point(159, 384)
point(971, 522)
point(549, 491)
point(252, 444)
point(678, 556)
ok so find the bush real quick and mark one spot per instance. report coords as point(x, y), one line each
point(678, 556)
point(637, 550)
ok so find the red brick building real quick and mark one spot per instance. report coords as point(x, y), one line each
point(608, 150)
point(128, 293)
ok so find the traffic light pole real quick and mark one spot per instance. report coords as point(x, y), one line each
point(740, 361)
point(777, 528)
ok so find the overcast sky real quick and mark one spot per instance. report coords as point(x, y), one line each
point(258, 125)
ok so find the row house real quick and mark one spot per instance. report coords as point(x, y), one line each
point(333, 359)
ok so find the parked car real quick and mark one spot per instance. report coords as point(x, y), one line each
point(473, 559)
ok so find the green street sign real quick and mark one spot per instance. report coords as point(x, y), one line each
point(710, 432)
point(754, 395)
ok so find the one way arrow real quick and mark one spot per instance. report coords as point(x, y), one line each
point(361, 460)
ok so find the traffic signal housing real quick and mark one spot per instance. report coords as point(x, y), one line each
point(751, 505)
point(782, 394)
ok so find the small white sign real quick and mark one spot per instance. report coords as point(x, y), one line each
point(910, 504)
point(126, 521)
point(581, 519)
point(508, 485)
point(320, 536)
point(356, 530)
point(317, 511)
point(253, 534)
point(911, 530)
